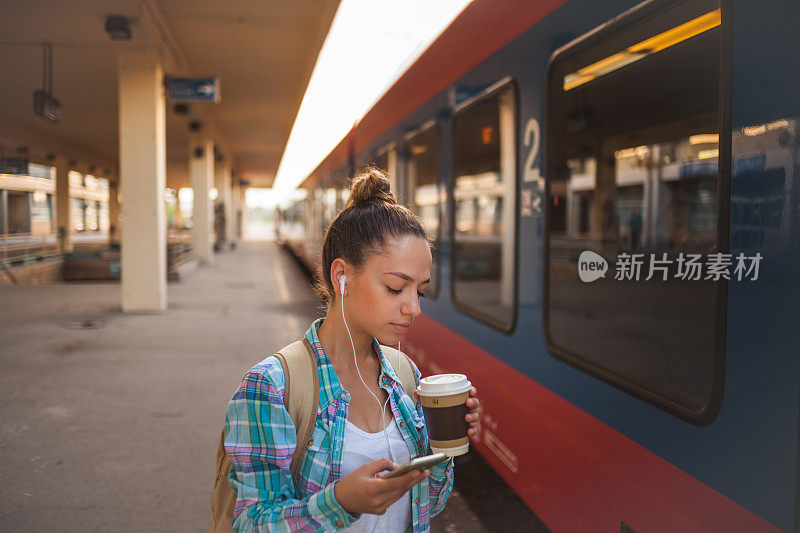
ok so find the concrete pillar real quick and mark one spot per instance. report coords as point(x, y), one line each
point(222, 182)
point(114, 211)
point(63, 205)
point(177, 219)
point(230, 218)
point(201, 175)
point(142, 178)
point(230, 213)
point(238, 212)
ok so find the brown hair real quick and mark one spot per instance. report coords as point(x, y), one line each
point(370, 217)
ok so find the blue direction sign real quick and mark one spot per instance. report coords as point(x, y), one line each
point(14, 165)
point(194, 90)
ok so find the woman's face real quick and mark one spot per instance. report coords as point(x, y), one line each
point(383, 296)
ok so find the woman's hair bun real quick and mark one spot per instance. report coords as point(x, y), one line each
point(372, 185)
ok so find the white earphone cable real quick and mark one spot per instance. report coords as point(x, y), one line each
point(382, 408)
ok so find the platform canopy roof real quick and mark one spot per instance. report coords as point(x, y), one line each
point(262, 51)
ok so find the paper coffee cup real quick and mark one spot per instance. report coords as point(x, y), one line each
point(444, 403)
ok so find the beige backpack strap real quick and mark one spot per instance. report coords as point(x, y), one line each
point(404, 370)
point(301, 396)
point(223, 499)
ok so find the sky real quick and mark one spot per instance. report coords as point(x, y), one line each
point(265, 198)
point(370, 44)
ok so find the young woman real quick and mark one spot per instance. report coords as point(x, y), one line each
point(366, 424)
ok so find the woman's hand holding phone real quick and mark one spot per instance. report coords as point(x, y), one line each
point(362, 492)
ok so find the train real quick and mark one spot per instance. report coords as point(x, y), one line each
point(613, 197)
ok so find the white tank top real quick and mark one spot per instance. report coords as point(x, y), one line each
point(360, 448)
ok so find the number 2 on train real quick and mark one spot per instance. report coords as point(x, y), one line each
point(532, 138)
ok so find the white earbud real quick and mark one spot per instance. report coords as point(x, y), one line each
point(342, 280)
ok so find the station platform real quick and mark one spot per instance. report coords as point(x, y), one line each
point(111, 420)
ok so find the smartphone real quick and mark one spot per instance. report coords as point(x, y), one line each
point(420, 463)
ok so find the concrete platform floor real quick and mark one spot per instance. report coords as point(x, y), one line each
point(110, 421)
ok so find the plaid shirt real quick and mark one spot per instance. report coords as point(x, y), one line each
point(260, 439)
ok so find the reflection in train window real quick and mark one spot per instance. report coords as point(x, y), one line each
point(634, 146)
point(483, 193)
point(425, 190)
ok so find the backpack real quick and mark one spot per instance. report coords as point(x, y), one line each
point(297, 360)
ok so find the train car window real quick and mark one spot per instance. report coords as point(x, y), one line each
point(387, 161)
point(484, 140)
point(344, 195)
point(318, 221)
point(293, 217)
point(340, 183)
point(328, 206)
point(310, 231)
point(382, 161)
point(425, 190)
point(635, 178)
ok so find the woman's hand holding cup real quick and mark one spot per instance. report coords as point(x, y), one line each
point(362, 492)
point(473, 416)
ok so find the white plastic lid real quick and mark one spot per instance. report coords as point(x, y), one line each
point(444, 384)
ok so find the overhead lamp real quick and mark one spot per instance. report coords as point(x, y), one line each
point(118, 28)
point(45, 105)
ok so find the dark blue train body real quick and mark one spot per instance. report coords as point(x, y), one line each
point(743, 449)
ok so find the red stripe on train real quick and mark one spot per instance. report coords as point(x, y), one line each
point(574, 471)
point(483, 28)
